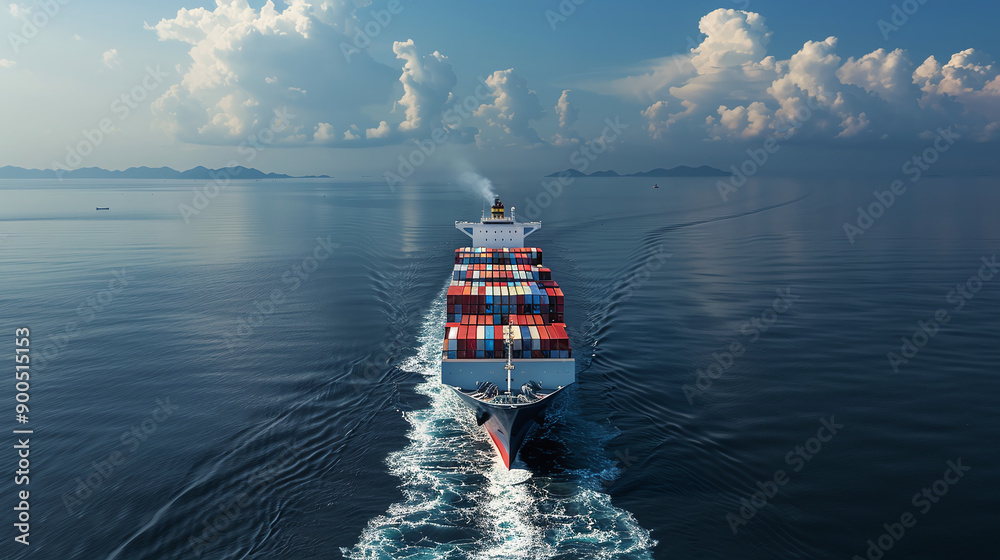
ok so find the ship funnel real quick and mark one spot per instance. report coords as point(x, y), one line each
point(497, 211)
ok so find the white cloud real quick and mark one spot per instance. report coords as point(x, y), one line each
point(19, 11)
point(852, 125)
point(967, 72)
point(382, 131)
point(657, 116)
point(744, 122)
point(427, 88)
point(514, 105)
point(111, 59)
point(566, 111)
point(4, 63)
point(734, 90)
point(237, 56)
point(888, 75)
point(323, 133)
point(812, 71)
point(558, 139)
point(733, 38)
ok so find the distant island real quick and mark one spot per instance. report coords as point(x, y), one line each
point(200, 173)
point(679, 171)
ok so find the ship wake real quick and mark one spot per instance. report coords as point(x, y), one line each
point(460, 502)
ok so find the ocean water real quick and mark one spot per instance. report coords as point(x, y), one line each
point(259, 381)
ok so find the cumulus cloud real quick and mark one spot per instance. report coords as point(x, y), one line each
point(728, 87)
point(559, 139)
point(111, 59)
point(323, 133)
point(887, 75)
point(381, 131)
point(427, 87)
point(745, 122)
point(246, 64)
point(514, 105)
point(966, 73)
point(565, 110)
point(657, 115)
point(733, 38)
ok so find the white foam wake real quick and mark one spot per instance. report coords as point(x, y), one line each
point(460, 502)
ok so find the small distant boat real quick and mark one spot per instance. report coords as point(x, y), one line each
point(99, 208)
point(656, 186)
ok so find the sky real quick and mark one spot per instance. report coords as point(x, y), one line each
point(411, 90)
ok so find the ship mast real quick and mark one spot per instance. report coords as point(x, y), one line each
point(508, 338)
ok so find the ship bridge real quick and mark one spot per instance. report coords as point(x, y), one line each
point(498, 231)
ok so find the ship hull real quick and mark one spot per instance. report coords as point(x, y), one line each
point(505, 328)
point(508, 424)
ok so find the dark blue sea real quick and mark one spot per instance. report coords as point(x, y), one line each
point(260, 380)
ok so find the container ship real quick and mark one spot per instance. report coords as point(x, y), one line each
point(506, 352)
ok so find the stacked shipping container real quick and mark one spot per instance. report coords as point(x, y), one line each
point(490, 287)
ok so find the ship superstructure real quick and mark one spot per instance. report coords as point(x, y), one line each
point(506, 351)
